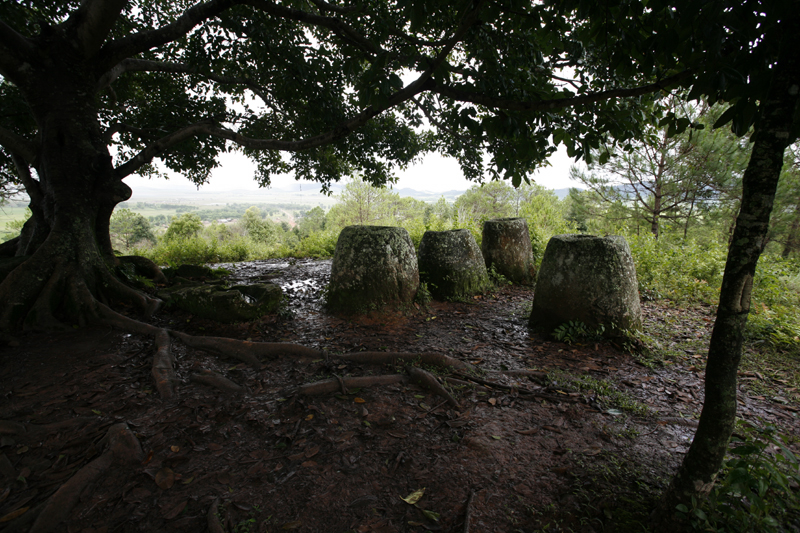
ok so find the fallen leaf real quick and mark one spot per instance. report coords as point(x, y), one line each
point(175, 449)
point(614, 412)
point(397, 435)
point(497, 437)
point(430, 515)
point(214, 447)
point(532, 431)
point(175, 511)
point(414, 497)
point(225, 478)
point(592, 451)
point(359, 400)
point(419, 396)
point(493, 401)
point(148, 458)
point(308, 464)
point(310, 417)
point(14, 514)
point(292, 525)
point(187, 481)
point(165, 478)
point(22, 450)
point(311, 452)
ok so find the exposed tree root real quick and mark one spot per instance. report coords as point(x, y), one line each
point(246, 351)
point(164, 366)
point(214, 524)
point(112, 318)
point(522, 391)
point(381, 358)
point(468, 514)
point(426, 379)
point(123, 447)
point(535, 374)
point(329, 386)
point(216, 380)
point(462, 383)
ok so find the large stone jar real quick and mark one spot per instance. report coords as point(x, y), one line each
point(506, 246)
point(588, 279)
point(452, 265)
point(373, 267)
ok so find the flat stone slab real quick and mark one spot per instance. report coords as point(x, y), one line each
point(588, 279)
point(239, 303)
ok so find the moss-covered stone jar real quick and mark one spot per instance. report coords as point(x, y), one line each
point(374, 267)
point(588, 279)
point(451, 264)
point(506, 247)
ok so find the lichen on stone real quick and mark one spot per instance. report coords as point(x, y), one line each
point(373, 267)
point(588, 279)
point(452, 265)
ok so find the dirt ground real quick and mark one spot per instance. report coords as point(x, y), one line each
point(573, 450)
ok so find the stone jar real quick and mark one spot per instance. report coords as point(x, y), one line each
point(588, 279)
point(452, 265)
point(373, 267)
point(506, 247)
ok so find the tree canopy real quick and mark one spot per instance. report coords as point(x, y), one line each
point(97, 90)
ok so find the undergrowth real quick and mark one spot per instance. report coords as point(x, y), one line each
point(756, 490)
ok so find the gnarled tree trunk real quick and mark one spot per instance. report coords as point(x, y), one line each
point(72, 195)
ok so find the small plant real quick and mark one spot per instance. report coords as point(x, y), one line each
point(756, 490)
point(423, 296)
point(576, 331)
point(497, 278)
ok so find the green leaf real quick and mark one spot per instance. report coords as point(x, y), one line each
point(430, 515)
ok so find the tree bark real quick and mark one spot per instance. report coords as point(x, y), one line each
point(697, 473)
point(72, 198)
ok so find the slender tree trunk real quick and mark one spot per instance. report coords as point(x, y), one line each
point(792, 243)
point(700, 466)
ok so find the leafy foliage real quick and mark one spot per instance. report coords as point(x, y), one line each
point(756, 490)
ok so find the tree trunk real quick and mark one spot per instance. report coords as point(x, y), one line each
point(67, 238)
point(792, 243)
point(697, 473)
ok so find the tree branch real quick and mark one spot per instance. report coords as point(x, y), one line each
point(557, 103)
point(93, 21)
point(32, 186)
point(132, 45)
point(421, 84)
point(335, 25)
point(18, 144)
point(143, 65)
point(23, 49)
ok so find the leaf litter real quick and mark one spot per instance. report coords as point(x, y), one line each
point(297, 463)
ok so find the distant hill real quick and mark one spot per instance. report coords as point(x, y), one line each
point(301, 193)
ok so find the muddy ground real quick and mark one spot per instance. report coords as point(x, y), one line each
point(579, 449)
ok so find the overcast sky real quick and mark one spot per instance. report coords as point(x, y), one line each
point(433, 174)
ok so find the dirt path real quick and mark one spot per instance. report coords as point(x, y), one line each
point(579, 448)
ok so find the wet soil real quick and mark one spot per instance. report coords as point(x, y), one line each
point(577, 448)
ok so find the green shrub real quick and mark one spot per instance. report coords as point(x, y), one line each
point(685, 272)
point(756, 490)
